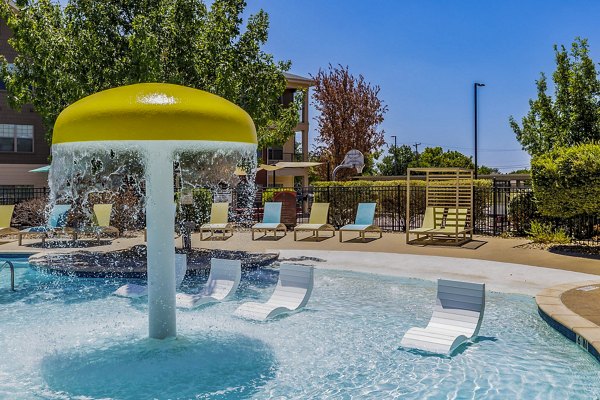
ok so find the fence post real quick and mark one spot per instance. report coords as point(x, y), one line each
point(494, 193)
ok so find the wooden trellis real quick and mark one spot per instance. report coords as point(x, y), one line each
point(448, 215)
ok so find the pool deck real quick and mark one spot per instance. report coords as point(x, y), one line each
point(566, 287)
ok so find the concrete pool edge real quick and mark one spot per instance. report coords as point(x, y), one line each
point(573, 326)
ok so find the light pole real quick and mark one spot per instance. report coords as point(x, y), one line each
point(395, 157)
point(475, 86)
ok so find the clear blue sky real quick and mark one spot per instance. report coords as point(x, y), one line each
point(426, 55)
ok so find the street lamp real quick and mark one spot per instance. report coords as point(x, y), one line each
point(475, 86)
point(395, 157)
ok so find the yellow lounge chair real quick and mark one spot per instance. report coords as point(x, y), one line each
point(219, 221)
point(317, 221)
point(433, 218)
point(6, 213)
point(102, 214)
point(455, 225)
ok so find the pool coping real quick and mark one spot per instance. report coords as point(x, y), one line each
point(573, 326)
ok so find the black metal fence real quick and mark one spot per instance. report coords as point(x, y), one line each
point(497, 209)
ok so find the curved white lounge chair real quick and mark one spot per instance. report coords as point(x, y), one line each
point(223, 281)
point(456, 318)
point(132, 290)
point(291, 293)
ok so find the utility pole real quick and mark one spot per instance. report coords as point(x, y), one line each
point(416, 146)
point(475, 86)
point(395, 156)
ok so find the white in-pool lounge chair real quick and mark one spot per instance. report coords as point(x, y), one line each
point(219, 221)
point(291, 294)
point(223, 281)
point(365, 214)
point(132, 290)
point(271, 220)
point(456, 318)
point(317, 221)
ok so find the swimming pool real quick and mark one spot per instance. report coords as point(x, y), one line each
point(63, 337)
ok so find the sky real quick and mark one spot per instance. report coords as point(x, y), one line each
point(425, 55)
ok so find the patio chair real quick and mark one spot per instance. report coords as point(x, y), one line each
point(102, 225)
point(6, 213)
point(365, 214)
point(271, 220)
point(433, 218)
point(456, 318)
point(56, 225)
point(134, 291)
point(292, 292)
point(223, 281)
point(219, 221)
point(317, 221)
point(455, 225)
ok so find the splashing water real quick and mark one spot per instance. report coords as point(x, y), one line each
point(83, 169)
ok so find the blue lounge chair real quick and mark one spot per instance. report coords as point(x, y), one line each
point(56, 225)
point(271, 220)
point(365, 214)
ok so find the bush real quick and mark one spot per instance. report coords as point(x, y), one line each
point(128, 211)
point(269, 193)
point(566, 181)
point(31, 212)
point(544, 233)
point(522, 210)
point(199, 210)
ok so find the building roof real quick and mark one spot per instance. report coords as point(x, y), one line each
point(297, 82)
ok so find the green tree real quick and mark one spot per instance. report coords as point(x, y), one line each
point(397, 161)
point(484, 170)
point(435, 157)
point(573, 115)
point(91, 45)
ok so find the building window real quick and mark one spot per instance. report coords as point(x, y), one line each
point(275, 154)
point(16, 138)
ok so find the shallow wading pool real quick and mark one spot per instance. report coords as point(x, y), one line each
point(65, 338)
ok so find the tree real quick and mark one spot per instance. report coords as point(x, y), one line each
point(483, 170)
point(350, 114)
point(397, 161)
point(573, 115)
point(91, 45)
point(435, 157)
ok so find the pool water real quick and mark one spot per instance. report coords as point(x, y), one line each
point(68, 338)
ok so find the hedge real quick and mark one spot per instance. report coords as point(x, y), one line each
point(566, 181)
point(199, 210)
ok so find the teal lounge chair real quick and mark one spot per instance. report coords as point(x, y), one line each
point(365, 214)
point(271, 220)
point(56, 225)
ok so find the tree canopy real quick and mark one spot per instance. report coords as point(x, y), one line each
point(92, 45)
point(350, 114)
point(572, 116)
point(397, 161)
point(435, 157)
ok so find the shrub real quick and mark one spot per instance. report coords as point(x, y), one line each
point(199, 210)
point(269, 193)
point(522, 210)
point(544, 233)
point(31, 212)
point(128, 211)
point(566, 181)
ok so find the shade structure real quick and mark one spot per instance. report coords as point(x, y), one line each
point(45, 168)
point(159, 120)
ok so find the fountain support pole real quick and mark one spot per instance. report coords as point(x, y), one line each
point(160, 220)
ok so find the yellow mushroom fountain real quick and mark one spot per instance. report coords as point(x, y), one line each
point(157, 121)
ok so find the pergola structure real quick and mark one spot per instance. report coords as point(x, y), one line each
point(448, 217)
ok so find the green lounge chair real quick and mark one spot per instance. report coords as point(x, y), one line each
point(365, 214)
point(102, 214)
point(271, 220)
point(6, 213)
point(433, 218)
point(455, 225)
point(317, 221)
point(219, 221)
point(56, 225)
